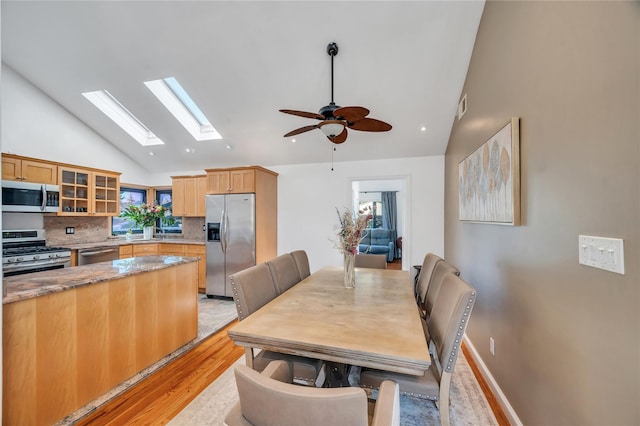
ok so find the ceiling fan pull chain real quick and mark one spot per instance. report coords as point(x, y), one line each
point(332, 151)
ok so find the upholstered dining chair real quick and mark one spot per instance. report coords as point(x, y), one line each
point(448, 322)
point(428, 264)
point(269, 399)
point(440, 271)
point(284, 272)
point(374, 261)
point(302, 263)
point(253, 288)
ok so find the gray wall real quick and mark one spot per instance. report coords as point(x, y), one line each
point(567, 336)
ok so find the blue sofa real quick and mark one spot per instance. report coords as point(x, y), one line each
point(378, 241)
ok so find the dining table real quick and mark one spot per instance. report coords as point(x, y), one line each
point(376, 324)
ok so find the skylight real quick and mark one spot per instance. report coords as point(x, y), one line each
point(113, 109)
point(179, 103)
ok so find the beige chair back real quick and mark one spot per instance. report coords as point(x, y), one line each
point(424, 278)
point(302, 263)
point(441, 270)
point(269, 399)
point(252, 289)
point(374, 261)
point(284, 272)
point(449, 319)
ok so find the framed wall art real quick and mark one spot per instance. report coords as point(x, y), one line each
point(489, 179)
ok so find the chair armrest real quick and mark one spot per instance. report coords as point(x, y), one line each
point(387, 410)
point(392, 251)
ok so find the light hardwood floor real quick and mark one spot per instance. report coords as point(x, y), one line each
point(161, 396)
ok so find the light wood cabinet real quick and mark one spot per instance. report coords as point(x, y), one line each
point(188, 195)
point(240, 180)
point(189, 250)
point(106, 194)
point(145, 249)
point(28, 170)
point(74, 192)
point(193, 250)
point(84, 192)
point(126, 251)
point(69, 347)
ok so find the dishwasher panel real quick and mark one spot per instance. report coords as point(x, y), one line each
point(97, 254)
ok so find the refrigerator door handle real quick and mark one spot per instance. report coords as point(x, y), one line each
point(226, 229)
point(223, 232)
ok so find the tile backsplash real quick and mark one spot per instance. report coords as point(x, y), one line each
point(87, 229)
point(97, 229)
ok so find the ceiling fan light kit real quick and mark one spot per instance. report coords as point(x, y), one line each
point(331, 128)
point(334, 120)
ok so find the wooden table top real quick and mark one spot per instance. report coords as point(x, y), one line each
point(375, 325)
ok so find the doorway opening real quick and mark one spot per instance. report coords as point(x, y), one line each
point(380, 194)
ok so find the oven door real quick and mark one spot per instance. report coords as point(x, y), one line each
point(9, 270)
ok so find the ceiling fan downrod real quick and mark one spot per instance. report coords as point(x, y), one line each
point(332, 50)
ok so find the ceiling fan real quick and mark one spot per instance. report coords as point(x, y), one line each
point(334, 119)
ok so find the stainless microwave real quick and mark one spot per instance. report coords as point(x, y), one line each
point(30, 197)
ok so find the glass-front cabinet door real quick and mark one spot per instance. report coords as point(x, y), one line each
point(106, 193)
point(74, 192)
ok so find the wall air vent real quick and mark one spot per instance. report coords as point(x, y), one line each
point(462, 106)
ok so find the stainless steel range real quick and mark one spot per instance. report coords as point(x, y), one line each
point(25, 251)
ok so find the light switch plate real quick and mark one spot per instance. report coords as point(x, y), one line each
point(600, 252)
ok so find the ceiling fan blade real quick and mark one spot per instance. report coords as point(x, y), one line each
point(370, 125)
point(301, 130)
point(303, 114)
point(351, 113)
point(340, 138)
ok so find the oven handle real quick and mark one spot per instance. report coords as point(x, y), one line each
point(8, 267)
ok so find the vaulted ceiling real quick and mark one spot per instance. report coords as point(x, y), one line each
point(242, 61)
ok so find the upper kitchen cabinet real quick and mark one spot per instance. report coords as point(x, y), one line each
point(238, 180)
point(87, 192)
point(188, 195)
point(28, 170)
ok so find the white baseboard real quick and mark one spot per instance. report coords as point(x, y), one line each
point(497, 392)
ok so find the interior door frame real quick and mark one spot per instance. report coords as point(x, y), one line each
point(406, 216)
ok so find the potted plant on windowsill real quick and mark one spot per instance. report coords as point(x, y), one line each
point(146, 216)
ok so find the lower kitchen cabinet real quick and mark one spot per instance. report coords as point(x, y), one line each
point(145, 250)
point(190, 250)
point(193, 250)
point(126, 251)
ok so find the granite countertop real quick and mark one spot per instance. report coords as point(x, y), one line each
point(27, 286)
point(116, 242)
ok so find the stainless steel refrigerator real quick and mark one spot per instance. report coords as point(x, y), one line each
point(231, 239)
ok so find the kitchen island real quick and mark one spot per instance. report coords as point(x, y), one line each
point(69, 335)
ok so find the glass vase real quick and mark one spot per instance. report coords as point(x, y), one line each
point(147, 232)
point(349, 270)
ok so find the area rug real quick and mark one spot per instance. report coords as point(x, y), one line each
point(469, 406)
point(213, 314)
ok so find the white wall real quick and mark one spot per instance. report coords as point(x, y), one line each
point(34, 125)
point(308, 195)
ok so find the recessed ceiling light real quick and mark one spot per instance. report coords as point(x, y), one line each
point(113, 109)
point(293, 140)
point(228, 147)
point(179, 103)
point(152, 153)
point(190, 150)
point(423, 129)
